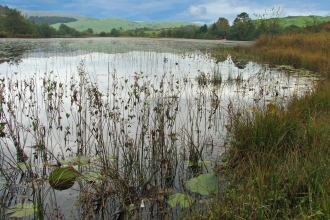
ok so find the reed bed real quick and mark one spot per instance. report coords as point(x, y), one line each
point(277, 162)
point(308, 50)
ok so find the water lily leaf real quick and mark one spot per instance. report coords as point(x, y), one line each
point(22, 166)
point(91, 176)
point(64, 163)
point(78, 160)
point(204, 184)
point(183, 200)
point(2, 126)
point(100, 158)
point(21, 210)
point(63, 178)
point(130, 207)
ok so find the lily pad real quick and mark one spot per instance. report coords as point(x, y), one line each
point(79, 160)
point(181, 199)
point(91, 176)
point(22, 166)
point(100, 158)
point(63, 178)
point(21, 210)
point(130, 207)
point(204, 184)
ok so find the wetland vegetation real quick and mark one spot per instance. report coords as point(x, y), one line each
point(154, 129)
point(278, 158)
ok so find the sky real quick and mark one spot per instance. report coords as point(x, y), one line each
point(203, 11)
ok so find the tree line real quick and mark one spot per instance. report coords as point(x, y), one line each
point(14, 24)
point(243, 28)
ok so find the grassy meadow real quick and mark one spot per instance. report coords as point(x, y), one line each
point(277, 165)
point(301, 21)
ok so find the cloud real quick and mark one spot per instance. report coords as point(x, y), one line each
point(205, 11)
point(231, 8)
point(197, 11)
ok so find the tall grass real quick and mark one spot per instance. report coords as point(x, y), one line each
point(309, 51)
point(277, 164)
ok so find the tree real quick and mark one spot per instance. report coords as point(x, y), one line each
point(102, 34)
point(223, 23)
point(269, 23)
point(223, 28)
point(243, 17)
point(45, 30)
point(15, 23)
point(203, 29)
point(66, 30)
point(314, 24)
point(90, 31)
point(114, 32)
point(243, 28)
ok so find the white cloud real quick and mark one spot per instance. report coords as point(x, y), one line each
point(231, 8)
point(197, 11)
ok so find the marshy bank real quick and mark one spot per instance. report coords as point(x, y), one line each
point(278, 158)
point(130, 128)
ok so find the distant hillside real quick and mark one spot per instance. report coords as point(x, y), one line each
point(51, 19)
point(50, 14)
point(302, 21)
point(106, 24)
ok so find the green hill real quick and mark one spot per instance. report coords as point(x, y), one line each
point(106, 24)
point(302, 21)
point(51, 19)
point(28, 13)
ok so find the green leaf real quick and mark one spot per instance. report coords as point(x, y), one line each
point(183, 200)
point(63, 178)
point(21, 210)
point(91, 176)
point(130, 207)
point(102, 158)
point(79, 160)
point(204, 184)
point(22, 166)
point(2, 126)
point(319, 212)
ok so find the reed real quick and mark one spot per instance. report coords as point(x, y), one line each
point(277, 163)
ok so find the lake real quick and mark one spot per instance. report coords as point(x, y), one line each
point(114, 128)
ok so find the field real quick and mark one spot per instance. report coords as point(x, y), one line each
point(303, 21)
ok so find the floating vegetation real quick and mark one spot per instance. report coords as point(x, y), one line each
point(62, 178)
